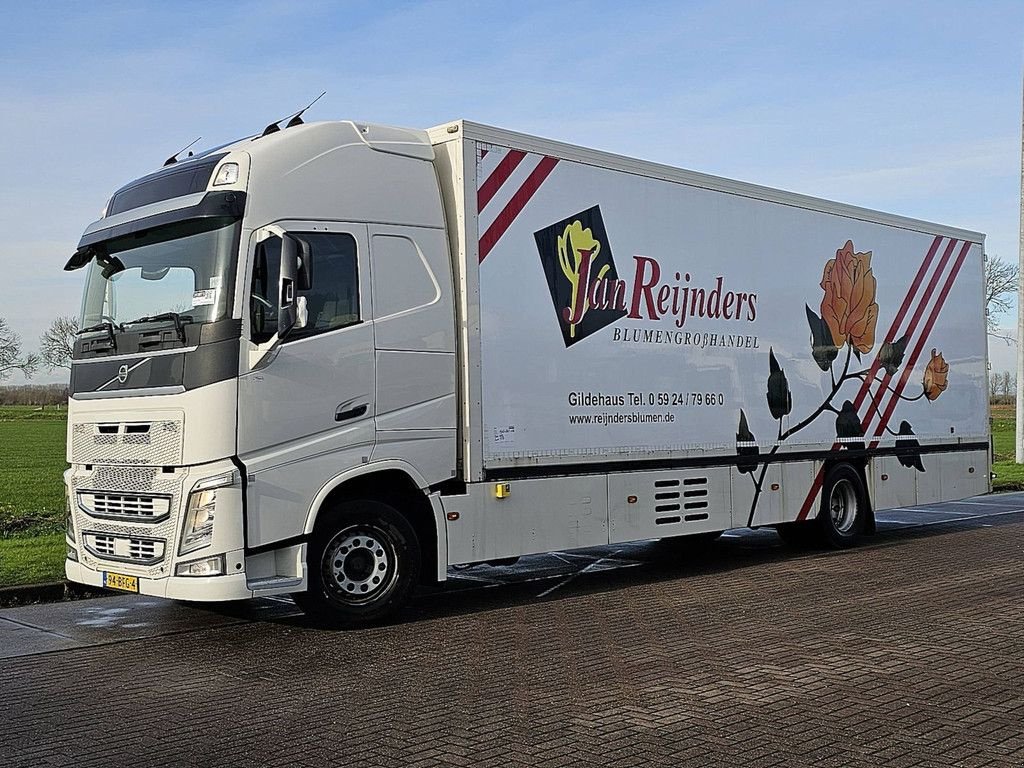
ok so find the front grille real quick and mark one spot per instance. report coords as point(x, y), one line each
point(139, 549)
point(156, 443)
point(127, 491)
point(125, 506)
point(103, 545)
point(124, 549)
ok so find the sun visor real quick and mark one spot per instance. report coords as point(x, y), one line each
point(227, 204)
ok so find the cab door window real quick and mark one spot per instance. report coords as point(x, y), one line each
point(332, 298)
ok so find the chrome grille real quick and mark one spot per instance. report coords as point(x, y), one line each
point(124, 549)
point(133, 483)
point(124, 506)
point(103, 545)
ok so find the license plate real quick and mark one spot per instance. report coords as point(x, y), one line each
point(120, 581)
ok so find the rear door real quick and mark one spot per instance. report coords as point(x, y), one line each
point(306, 404)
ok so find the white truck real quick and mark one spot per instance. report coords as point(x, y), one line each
point(334, 359)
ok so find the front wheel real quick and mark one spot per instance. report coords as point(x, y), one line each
point(844, 507)
point(363, 563)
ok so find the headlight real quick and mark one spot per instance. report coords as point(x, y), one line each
point(201, 512)
point(69, 521)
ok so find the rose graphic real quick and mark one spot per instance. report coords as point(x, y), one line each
point(848, 307)
point(848, 317)
point(935, 375)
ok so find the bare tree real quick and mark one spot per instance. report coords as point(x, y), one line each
point(993, 384)
point(11, 357)
point(58, 342)
point(1000, 285)
point(1007, 384)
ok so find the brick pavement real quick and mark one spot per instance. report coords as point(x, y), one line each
point(906, 652)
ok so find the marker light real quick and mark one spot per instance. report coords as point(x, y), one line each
point(226, 174)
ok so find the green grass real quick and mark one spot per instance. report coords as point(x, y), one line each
point(1009, 474)
point(31, 494)
point(31, 560)
point(31, 466)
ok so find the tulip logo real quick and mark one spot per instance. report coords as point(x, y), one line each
point(578, 264)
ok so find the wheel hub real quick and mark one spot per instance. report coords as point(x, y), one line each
point(361, 564)
point(843, 506)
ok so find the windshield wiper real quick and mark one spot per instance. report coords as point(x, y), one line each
point(107, 326)
point(179, 326)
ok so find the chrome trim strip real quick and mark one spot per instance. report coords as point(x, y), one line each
point(134, 355)
point(176, 389)
point(127, 518)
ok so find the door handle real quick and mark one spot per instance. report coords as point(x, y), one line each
point(351, 413)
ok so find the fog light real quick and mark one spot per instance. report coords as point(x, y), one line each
point(72, 553)
point(208, 566)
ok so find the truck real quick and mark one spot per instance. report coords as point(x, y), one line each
point(334, 359)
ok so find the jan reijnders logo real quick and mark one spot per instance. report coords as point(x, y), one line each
point(576, 255)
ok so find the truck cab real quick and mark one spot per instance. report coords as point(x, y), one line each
point(267, 368)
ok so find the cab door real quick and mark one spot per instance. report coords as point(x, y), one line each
point(306, 402)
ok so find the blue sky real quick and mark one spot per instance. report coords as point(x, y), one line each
point(912, 108)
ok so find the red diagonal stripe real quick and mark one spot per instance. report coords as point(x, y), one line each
point(498, 176)
point(895, 397)
point(865, 386)
point(922, 306)
point(805, 508)
point(514, 206)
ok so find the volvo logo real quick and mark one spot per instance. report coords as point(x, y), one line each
point(123, 372)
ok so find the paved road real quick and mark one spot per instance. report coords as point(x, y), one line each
point(908, 651)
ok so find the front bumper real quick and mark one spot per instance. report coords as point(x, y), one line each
point(199, 588)
point(110, 534)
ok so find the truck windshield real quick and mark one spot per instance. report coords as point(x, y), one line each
point(181, 273)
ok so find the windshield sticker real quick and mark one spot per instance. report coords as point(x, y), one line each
point(202, 298)
point(215, 281)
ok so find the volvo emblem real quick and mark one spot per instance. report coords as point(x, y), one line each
point(122, 373)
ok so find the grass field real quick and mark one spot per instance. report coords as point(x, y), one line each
point(32, 491)
point(31, 466)
point(31, 494)
point(31, 559)
point(1009, 475)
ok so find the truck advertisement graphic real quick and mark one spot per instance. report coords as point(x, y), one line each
point(669, 319)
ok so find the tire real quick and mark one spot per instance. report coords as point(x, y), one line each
point(363, 563)
point(844, 507)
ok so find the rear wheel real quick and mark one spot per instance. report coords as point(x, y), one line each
point(362, 565)
point(844, 507)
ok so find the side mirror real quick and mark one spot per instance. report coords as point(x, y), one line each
point(287, 305)
point(305, 270)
